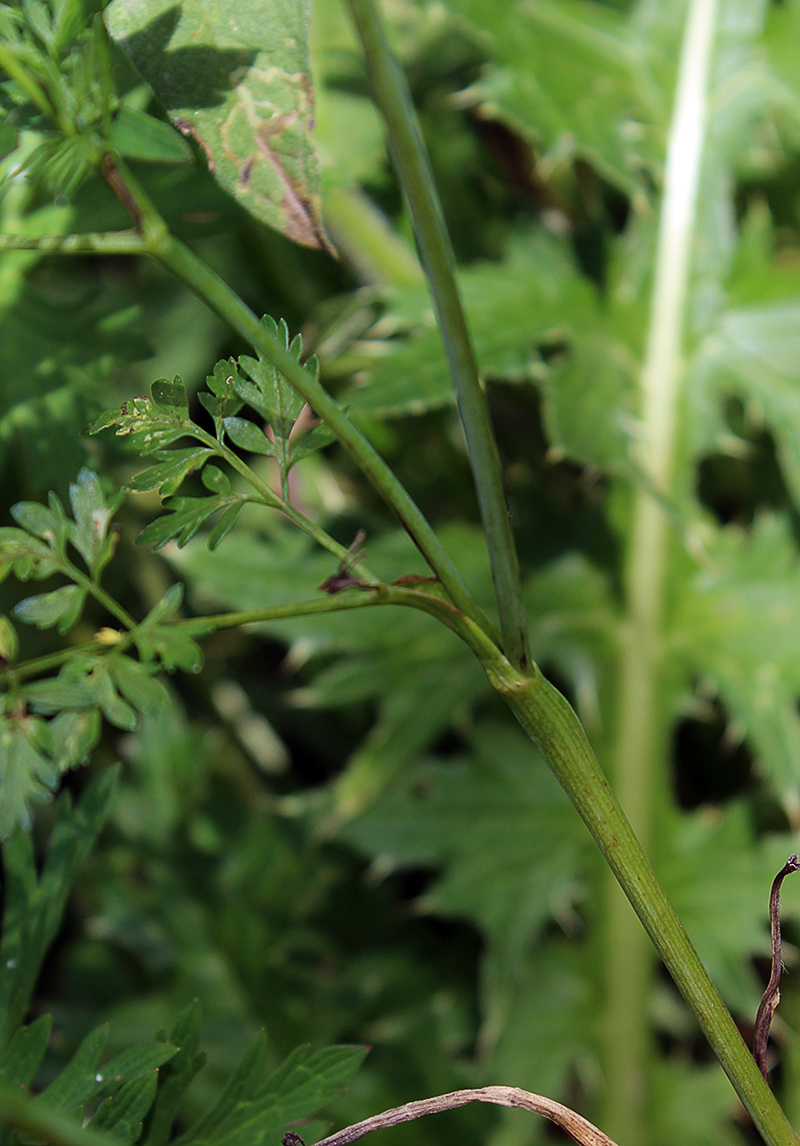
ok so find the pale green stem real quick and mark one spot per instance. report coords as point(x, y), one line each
point(371, 245)
point(640, 744)
point(90, 243)
point(393, 99)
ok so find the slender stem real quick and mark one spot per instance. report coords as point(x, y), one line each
point(392, 96)
point(100, 595)
point(640, 732)
point(90, 243)
point(364, 234)
point(553, 726)
point(273, 501)
point(577, 1127)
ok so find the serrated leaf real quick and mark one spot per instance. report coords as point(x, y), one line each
point(175, 1076)
point(737, 625)
point(530, 299)
point(21, 1058)
point(498, 828)
point(75, 734)
point(34, 905)
point(256, 130)
point(223, 401)
point(139, 687)
point(122, 1114)
point(93, 514)
point(169, 473)
point(185, 515)
point(60, 607)
point(224, 524)
point(27, 774)
point(253, 1109)
point(247, 436)
point(77, 1082)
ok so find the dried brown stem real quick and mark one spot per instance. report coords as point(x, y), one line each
point(578, 1128)
point(772, 994)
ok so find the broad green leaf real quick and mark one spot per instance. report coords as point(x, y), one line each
point(543, 1022)
point(753, 354)
point(572, 77)
point(256, 130)
point(693, 1105)
point(718, 878)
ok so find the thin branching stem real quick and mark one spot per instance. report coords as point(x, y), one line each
point(393, 99)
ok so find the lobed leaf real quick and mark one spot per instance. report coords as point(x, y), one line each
point(60, 607)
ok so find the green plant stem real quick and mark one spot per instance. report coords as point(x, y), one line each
point(391, 94)
point(271, 499)
point(640, 726)
point(555, 729)
point(90, 243)
point(366, 237)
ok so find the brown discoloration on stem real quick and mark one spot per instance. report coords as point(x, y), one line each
point(118, 186)
point(772, 994)
point(578, 1128)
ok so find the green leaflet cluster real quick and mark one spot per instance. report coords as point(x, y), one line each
point(50, 725)
point(284, 431)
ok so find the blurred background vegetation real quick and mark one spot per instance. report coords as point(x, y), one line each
point(335, 833)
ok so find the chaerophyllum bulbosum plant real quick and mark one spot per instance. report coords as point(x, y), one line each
point(509, 533)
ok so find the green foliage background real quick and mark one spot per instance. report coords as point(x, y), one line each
point(335, 833)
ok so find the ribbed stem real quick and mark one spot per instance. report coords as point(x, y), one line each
point(391, 94)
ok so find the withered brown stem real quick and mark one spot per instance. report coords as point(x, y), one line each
point(772, 994)
point(577, 1127)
